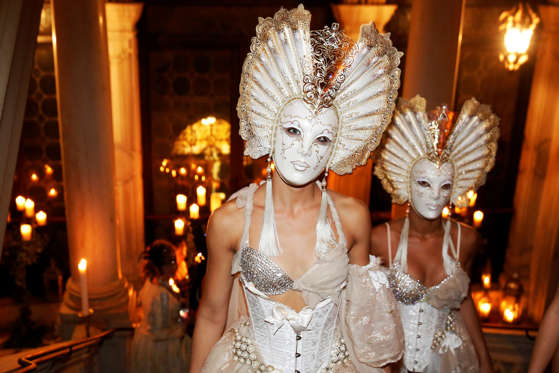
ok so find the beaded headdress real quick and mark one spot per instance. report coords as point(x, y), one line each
point(469, 145)
point(326, 69)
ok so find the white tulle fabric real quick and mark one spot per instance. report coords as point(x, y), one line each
point(423, 319)
point(159, 344)
point(349, 308)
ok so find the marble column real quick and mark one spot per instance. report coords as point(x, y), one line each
point(19, 24)
point(351, 17)
point(433, 55)
point(125, 98)
point(84, 106)
point(533, 240)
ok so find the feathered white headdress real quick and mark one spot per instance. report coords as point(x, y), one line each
point(469, 146)
point(325, 68)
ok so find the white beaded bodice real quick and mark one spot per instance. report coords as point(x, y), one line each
point(428, 313)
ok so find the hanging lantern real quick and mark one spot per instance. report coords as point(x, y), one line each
point(518, 25)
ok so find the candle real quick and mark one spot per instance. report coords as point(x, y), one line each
point(182, 171)
point(199, 170)
point(174, 173)
point(478, 218)
point(41, 218)
point(26, 231)
point(82, 268)
point(486, 280)
point(53, 192)
point(29, 208)
point(472, 197)
point(48, 170)
point(484, 307)
point(446, 212)
point(194, 211)
point(181, 202)
point(201, 195)
point(510, 313)
point(34, 177)
point(179, 227)
point(20, 203)
point(215, 200)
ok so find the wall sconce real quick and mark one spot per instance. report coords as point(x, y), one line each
point(518, 24)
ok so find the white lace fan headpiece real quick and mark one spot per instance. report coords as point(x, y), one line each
point(326, 69)
point(469, 146)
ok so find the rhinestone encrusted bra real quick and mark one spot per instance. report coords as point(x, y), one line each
point(265, 275)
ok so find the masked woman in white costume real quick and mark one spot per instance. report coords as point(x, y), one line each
point(290, 286)
point(427, 161)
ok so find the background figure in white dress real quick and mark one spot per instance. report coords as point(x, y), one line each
point(289, 285)
point(427, 162)
point(160, 344)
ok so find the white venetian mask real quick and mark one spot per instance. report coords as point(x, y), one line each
point(303, 142)
point(431, 187)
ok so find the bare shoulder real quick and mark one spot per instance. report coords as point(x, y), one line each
point(379, 237)
point(225, 226)
point(351, 210)
point(470, 241)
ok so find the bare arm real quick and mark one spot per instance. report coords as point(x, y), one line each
point(355, 216)
point(547, 342)
point(216, 287)
point(471, 243)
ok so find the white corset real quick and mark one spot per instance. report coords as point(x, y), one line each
point(292, 341)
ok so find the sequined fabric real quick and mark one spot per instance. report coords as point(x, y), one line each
point(263, 273)
point(406, 289)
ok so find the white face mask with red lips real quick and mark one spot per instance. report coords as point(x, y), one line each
point(303, 142)
point(431, 187)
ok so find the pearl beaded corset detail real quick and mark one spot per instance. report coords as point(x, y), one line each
point(263, 273)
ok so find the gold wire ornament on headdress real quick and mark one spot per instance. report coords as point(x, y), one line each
point(469, 145)
point(326, 69)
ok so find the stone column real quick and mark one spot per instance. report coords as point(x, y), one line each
point(19, 24)
point(84, 105)
point(351, 17)
point(533, 239)
point(432, 56)
point(125, 98)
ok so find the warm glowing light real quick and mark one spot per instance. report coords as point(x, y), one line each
point(201, 195)
point(48, 170)
point(510, 313)
point(446, 212)
point(53, 193)
point(484, 307)
point(179, 227)
point(41, 218)
point(199, 170)
point(182, 171)
point(478, 218)
point(215, 200)
point(164, 162)
point(82, 265)
point(34, 177)
point(486, 280)
point(26, 231)
point(194, 211)
point(167, 170)
point(181, 202)
point(460, 210)
point(29, 208)
point(174, 173)
point(20, 203)
point(519, 25)
point(209, 120)
point(199, 258)
point(174, 286)
point(82, 268)
point(162, 168)
point(472, 197)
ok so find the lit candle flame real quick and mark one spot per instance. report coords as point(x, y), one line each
point(446, 212)
point(478, 218)
point(199, 258)
point(34, 177)
point(486, 280)
point(41, 218)
point(174, 286)
point(53, 192)
point(26, 232)
point(20, 203)
point(82, 265)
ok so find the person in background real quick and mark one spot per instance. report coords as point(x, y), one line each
point(159, 344)
point(547, 342)
point(428, 163)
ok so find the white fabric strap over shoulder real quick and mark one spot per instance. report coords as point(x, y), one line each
point(458, 240)
point(389, 239)
point(448, 245)
point(401, 256)
point(335, 217)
